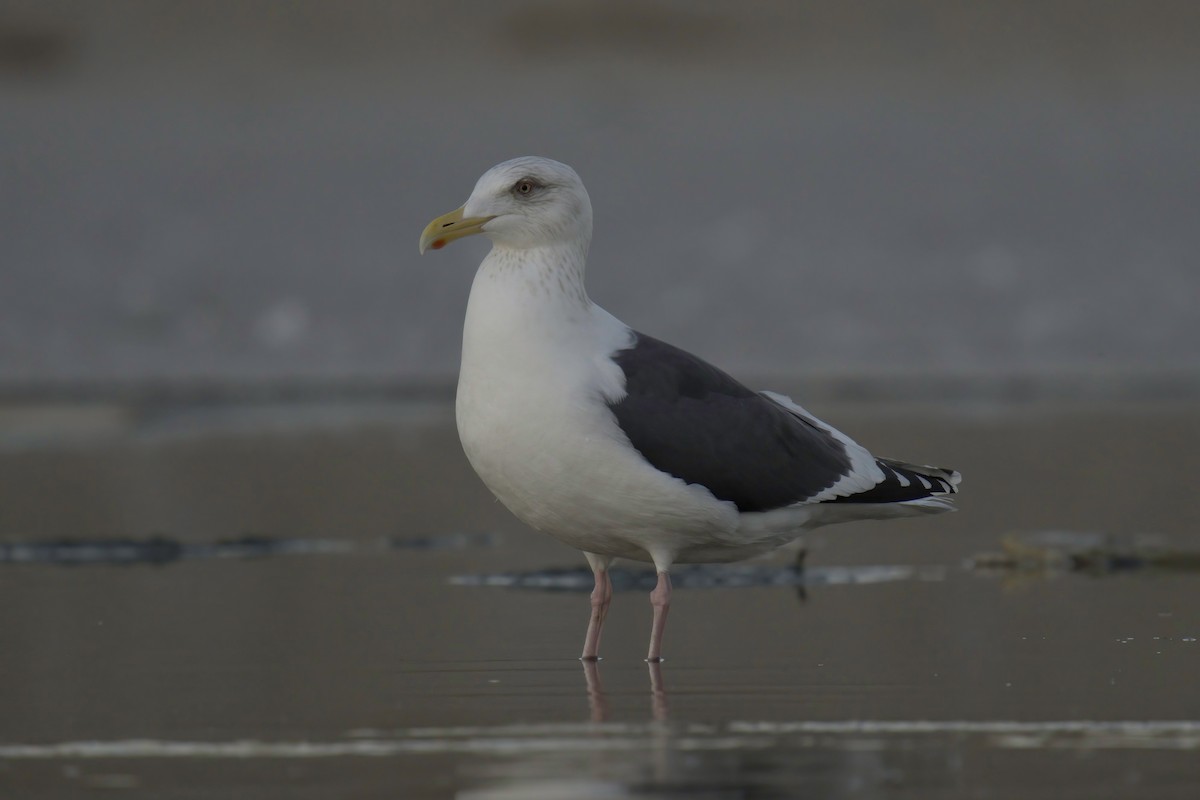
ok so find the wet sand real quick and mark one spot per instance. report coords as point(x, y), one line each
point(407, 638)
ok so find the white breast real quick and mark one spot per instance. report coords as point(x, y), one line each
point(532, 416)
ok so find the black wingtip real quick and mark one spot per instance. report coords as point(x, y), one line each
point(905, 482)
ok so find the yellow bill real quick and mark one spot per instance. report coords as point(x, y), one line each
point(448, 227)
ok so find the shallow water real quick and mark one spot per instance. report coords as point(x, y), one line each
point(331, 605)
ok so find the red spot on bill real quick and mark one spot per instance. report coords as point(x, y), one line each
point(438, 244)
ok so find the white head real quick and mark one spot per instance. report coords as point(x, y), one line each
point(523, 203)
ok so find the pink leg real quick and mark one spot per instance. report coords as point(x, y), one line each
point(660, 598)
point(601, 597)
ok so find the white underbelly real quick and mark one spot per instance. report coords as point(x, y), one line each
point(561, 465)
point(532, 416)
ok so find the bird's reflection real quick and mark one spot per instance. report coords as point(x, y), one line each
point(598, 705)
point(658, 692)
point(598, 701)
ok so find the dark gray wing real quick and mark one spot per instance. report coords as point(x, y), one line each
point(691, 420)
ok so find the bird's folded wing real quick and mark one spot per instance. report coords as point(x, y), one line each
point(695, 422)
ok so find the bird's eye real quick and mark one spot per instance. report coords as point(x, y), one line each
point(524, 187)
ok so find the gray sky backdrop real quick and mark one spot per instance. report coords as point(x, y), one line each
point(232, 191)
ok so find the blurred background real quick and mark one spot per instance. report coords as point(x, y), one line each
point(234, 509)
point(225, 196)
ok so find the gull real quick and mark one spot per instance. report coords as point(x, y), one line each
point(621, 445)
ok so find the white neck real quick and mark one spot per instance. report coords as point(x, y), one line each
point(541, 270)
point(529, 309)
point(534, 293)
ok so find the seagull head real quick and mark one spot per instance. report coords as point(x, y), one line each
point(523, 203)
